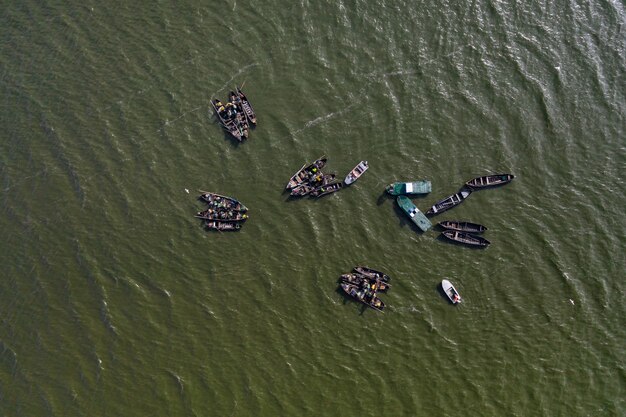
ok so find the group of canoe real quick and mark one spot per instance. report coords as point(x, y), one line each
point(223, 213)
point(310, 180)
point(363, 284)
point(457, 231)
point(237, 115)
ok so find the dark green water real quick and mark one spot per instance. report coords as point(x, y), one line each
point(115, 302)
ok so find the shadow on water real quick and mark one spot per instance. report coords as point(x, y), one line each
point(384, 196)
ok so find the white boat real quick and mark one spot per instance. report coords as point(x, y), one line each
point(450, 291)
point(356, 172)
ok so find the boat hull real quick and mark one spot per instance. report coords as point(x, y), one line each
point(488, 181)
point(304, 173)
point(372, 273)
point(448, 202)
point(465, 238)
point(247, 107)
point(219, 201)
point(462, 226)
point(360, 280)
point(327, 189)
point(450, 291)
point(414, 213)
point(369, 299)
point(232, 126)
point(409, 188)
point(356, 172)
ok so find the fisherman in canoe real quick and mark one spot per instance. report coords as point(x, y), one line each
point(219, 106)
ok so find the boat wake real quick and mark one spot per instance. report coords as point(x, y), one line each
point(323, 119)
point(167, 123)
point(237, 74)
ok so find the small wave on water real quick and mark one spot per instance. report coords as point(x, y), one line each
point(113, 289)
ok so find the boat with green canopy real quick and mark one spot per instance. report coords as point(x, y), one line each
point(414, 213)
point(415, 187)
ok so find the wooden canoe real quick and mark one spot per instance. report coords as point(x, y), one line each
point(490, 181)
point(218, 201)
point(222, 215)
point(372, 273)
point(304, 173)
point(327, 189)
point(465, 238)
point(366, 297)
point(361, 280)
point(462, 226)
point(448, 202)
point(302, 190)
point(228, 123)
point(246, 106)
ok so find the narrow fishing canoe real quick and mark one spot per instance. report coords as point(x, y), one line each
point(372, 273)
point(356, 172)
point(222, 215)
point(310, 186)
point(327, 189)
point(302, 190)
point(448, 202)
point(221, 201)
point(414, 213)
point(361, 280)
point(462, 226)
point(466, 238)
point(415, 187)
point(366, 297)
point(304, 173)
point(246, 106)
point(450, 291)
point(490, 181)
point(229, 123)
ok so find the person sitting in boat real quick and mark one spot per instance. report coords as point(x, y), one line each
point(234, 99)
point(456, 298)
point(231, 110)
point(219, 106)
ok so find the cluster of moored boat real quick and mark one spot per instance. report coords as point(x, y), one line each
point(223, 213)
point(310, 180)
point(237, 115)
point(363, 284)
point(457, 231)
